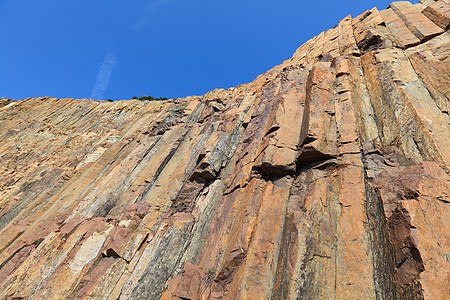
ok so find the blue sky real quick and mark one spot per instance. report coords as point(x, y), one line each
point(164, 48)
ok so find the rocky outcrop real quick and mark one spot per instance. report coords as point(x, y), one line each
point(325, 178)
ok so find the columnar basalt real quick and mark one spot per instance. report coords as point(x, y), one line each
point(325, 178)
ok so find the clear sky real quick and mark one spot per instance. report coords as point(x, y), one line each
point(164, 48)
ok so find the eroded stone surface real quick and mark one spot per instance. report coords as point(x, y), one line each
point(327, 177)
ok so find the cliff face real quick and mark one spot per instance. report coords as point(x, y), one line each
point(327, 177)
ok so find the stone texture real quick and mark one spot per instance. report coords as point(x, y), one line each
point(327, 177)
point(439, 13)
point(418, 23)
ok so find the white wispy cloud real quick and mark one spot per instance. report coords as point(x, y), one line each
point(104, 76)
point(149, 10)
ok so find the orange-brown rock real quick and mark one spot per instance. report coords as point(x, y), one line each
point(327, 177)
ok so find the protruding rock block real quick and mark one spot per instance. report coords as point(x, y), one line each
point(420, 25)
point(399, 29)
point(318, 133)
point(370, 31)
point(439, 13)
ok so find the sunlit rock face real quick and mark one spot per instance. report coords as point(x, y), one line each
point(325, 178)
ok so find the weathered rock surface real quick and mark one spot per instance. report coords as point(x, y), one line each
point(325, 178)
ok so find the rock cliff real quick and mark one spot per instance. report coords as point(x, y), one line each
point(325, 178)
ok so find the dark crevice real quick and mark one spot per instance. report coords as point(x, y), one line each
point(271, 130)
point(35, 244)
point(112, 253)
point(322, 164)
point(309, 155)
point(235, 188)
point(370, 42)
point(226, 273)
point(272, 172)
